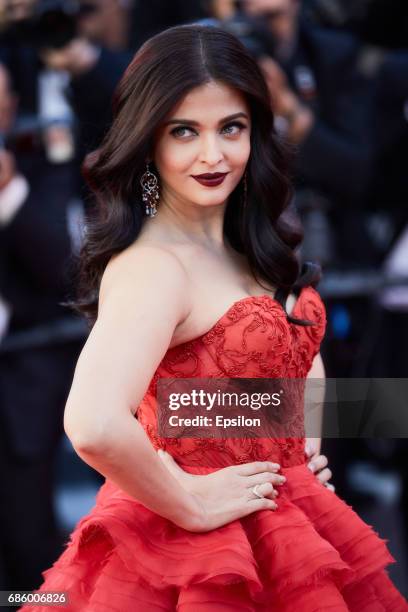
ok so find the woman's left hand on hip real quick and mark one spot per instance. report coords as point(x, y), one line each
point(318, 465)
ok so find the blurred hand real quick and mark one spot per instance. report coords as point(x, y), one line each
point(318, 464)
point(8, 102)
point(262, 7)
point(77, 57)
point(12, 11)
point(285, 103)
point(7, 167)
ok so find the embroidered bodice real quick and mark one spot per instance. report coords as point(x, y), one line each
point(312, 553)
point(252, 339)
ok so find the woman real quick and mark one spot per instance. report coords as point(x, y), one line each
point(173, 294)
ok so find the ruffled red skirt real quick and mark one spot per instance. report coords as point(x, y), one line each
point(313, 554)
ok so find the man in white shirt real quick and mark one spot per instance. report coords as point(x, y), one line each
point(36, 359)
point(13, 186)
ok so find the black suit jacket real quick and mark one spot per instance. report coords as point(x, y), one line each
point(36, 251)
point(337, 155)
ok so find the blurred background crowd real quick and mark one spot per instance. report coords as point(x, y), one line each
point(338, 76)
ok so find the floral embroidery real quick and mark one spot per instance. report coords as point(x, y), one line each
point(177, 361)
point(252, 340)
point(215, 333)
point(237, 311)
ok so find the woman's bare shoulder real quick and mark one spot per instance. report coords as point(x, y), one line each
point(145, 267)
point(143, 252)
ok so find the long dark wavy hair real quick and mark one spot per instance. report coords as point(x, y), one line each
point(162, 72)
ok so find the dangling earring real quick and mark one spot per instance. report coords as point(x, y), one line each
point(150, 189)
point(245, 190)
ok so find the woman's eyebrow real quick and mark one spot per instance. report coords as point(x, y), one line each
point(191, 122)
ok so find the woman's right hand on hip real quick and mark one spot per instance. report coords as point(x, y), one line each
point(227, 494)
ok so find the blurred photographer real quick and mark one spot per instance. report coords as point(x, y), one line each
point(318, 89)
point(92, 42)
point(13, 186)
point(78, 48)
point(323, 105)
point(37, 347)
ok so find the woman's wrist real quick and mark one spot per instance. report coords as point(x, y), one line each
point(189, 514)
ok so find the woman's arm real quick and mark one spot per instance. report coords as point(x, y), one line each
point(314, 422)
point(142, 299)
point(315, 386)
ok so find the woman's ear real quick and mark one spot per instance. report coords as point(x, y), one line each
point(150, 161)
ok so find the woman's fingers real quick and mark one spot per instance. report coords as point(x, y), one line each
point(318, 463)
point(264, 489)
point(311, 447)
point(325, 475)
point(256, 504)
point(262, 477)
point(248, 469)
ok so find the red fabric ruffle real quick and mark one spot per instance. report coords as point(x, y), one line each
point(313, 554)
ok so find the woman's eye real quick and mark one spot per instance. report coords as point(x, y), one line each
point(181, 131)
point(233, 128)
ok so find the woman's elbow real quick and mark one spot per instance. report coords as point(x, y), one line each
point(86, 438)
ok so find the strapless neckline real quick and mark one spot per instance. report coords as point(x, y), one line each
point(246, 298)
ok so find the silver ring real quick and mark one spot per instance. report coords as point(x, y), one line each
point(255, 491)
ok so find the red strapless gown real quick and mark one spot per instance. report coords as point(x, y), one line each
point(312, 554)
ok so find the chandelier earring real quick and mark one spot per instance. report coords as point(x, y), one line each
point(150, 191)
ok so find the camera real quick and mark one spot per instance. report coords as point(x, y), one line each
point(252, 32)
point(52, 23)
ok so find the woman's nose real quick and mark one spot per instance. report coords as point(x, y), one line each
point(210, 151)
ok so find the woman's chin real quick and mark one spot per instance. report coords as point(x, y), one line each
point(211, 202)
point(217, 197)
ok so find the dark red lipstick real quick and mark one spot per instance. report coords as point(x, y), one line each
point(210, 179)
